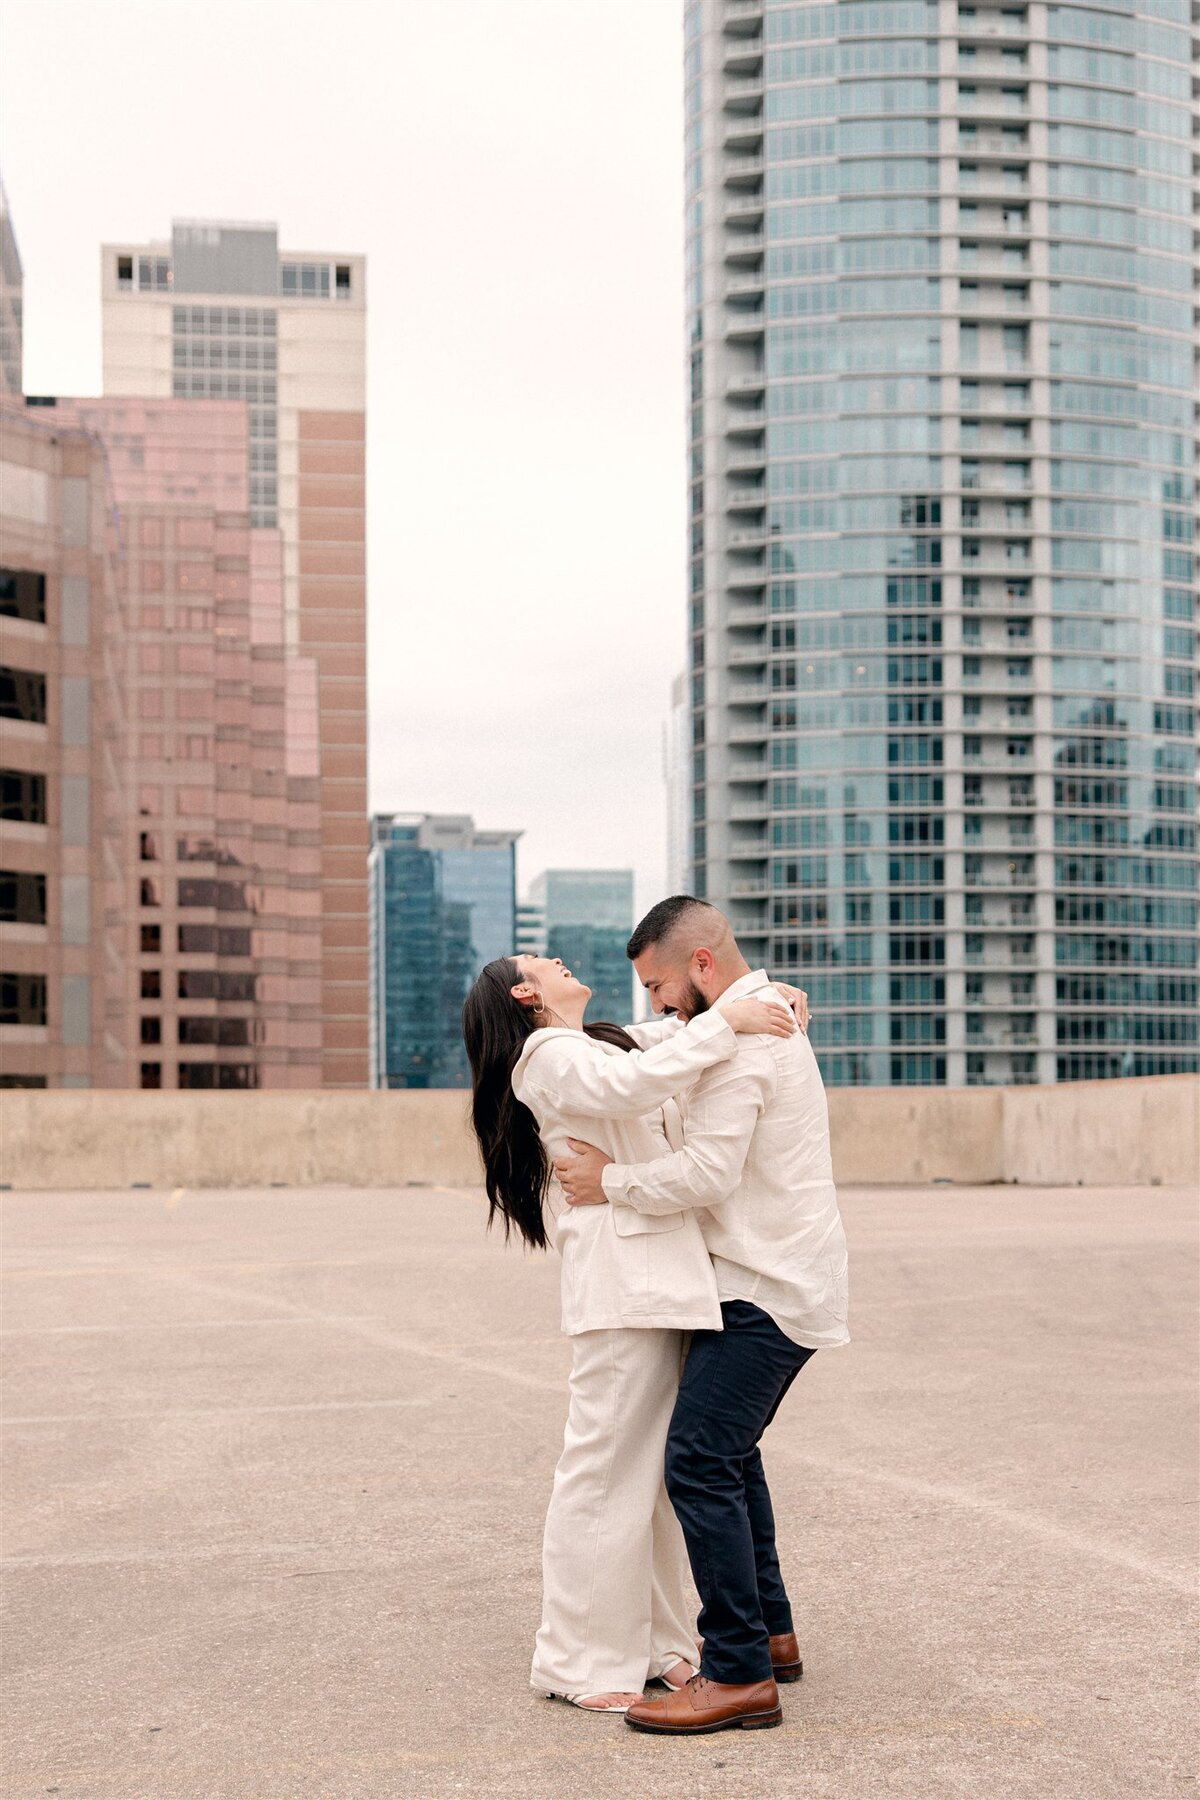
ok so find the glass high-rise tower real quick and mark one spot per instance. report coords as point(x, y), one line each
point(443, 903)
point(587, 918)
point(941, 338)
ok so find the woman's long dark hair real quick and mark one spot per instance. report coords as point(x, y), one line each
point(516, 1167)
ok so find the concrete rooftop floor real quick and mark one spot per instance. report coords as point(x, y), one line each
point(277, 1463)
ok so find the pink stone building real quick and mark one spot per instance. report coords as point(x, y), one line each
point(168, 798)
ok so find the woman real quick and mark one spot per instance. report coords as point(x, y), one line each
point(615, 1597)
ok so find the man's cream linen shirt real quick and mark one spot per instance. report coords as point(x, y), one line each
point(756, 1156)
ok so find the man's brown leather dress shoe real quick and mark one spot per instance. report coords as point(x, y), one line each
point(704, 1705)
point(785, 1657)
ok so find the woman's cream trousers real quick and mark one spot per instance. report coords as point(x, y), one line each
point(617, 1607)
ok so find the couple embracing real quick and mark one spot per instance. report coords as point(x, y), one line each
point(703, 1264)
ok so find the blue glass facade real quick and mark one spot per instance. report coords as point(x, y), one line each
point(1122, 522)
point(443, 903)
point(587, 919)
point(943, 496)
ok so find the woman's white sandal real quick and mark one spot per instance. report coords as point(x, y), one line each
point(582, 1702)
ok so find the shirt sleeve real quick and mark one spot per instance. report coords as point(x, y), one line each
point(723, 1109)
point(579, 1077)
point(655, 1031)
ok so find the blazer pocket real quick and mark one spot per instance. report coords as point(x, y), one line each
point(627, 1223)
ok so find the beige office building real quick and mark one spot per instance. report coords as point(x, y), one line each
point(219, 312)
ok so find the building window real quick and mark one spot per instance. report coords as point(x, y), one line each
point(23, 796)
point(23, 595)
point(22, 999)
point(23, 695)
point(218, 1075)
point(342, 281)
point(306, 281)
point(918, 1071)
point(202, 890)
point(207, 940)
point(151, 1075)
point(22, 897)
point(154, 273)
point(124, 271)
point(207, 1030)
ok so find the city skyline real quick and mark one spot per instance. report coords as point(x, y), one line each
point(1029, 619)
point(521, 405)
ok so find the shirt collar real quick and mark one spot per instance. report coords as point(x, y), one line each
point(746, 984)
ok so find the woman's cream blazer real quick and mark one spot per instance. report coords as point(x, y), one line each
point(620, 1268)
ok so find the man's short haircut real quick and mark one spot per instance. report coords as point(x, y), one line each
point(669, 916)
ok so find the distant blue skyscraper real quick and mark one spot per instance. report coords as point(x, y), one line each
point(586, 918)
point(443, 903)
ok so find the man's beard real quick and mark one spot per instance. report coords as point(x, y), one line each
point(693, 1003)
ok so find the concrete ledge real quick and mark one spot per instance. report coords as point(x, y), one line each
point(1098, 1133)
point(62, 1138)
point(921, 1134)
point(1104, 1132)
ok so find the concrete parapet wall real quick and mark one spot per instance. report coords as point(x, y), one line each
point(921, 1134)
point(61, 1138)
point(1098, 1133)
point(1102, 1132)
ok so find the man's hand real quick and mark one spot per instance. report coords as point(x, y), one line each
point(579, 1175)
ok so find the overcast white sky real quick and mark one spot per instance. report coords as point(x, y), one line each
point(512, 169)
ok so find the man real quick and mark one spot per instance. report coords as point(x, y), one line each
point(756, 1156)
